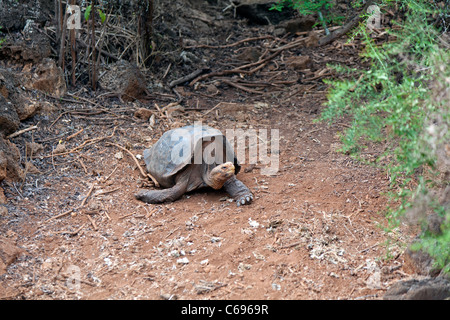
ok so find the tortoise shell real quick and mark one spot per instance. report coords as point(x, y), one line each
point(202, 146)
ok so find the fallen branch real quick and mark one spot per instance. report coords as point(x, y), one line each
point(72, 233)
point(290, 245)
point(74, 112)
point(231, 44)
point(260, 61)
point(87, 196)
point(243, 88)
point(290, 45)
point(145, 175)
point(74, 135)
point(217, 73)
point(60, 215)
point(107, 191)
point(73, 209)
point(319, 75)
point(187, 78)
point(84, 144)
point(346, 28)
point(126, 215)
point(259, 64)
point(18, 133)
point(94, 225)
point(109, 176)
point(150, 213)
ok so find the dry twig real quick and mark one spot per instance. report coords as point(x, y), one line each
point(231, 44)
point(145, 175)
point(72, 233)
point(17, 133)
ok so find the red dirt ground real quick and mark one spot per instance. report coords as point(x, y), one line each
point(314, 230)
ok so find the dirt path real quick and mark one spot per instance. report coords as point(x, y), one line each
point(313, 231)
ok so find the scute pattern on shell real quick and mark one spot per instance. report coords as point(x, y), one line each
point(169, 155)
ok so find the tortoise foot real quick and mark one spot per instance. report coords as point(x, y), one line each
point(244, 199)
point(146, 196)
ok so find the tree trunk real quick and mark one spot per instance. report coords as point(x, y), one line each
point(93, 58)
point(145, 29)
point(73, 48)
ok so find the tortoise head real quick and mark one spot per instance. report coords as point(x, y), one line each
point(220, 174)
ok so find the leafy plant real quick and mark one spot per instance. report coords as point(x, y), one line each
point(392, 102)
point(308, 7)
point(1, 39)
point(87, 14)
point(304, 7)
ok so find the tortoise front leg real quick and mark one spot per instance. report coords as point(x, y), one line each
point(238, 191)
point(160, 196)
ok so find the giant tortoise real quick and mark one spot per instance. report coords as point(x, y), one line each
point(192, 157)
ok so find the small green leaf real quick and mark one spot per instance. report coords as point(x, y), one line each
point(102, 15)
point(87, 13)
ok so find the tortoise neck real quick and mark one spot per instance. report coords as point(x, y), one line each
point(213, 180)
point(217, 176)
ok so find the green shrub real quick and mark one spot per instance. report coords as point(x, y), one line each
point(1, 39)
point(394, 101)
point(308, 7)
point(304, 7)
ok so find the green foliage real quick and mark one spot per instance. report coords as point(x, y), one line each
point(308, 7)
point(437, 246)
point(304, 7)
point(102, 16)
point(87, 14)
point(1, 39)
point(392, 102)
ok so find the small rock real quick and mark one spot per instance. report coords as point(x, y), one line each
point(253, 223)
point(259, 256)
point(10, 161)
point(33, 148)
point(3, 211)
point(189, 58)
point(244, 266)
point(374, 281)
point(301, 24)
point(143, 113)
point(125, 79)
point(31, 168)
point(211, 88)
point(3, 199)
point(174, 253)
point(300, 62)
point(251, 54)
point(312, 40)
point(426, 289)
point(60, 148)
point(9, 119)
point(183, 260)
point(9, 252)
point(167, 296)
point(276, 286)
point(333, 275)
point(47, 264)
point(48, 78)
point(28, 47)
